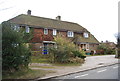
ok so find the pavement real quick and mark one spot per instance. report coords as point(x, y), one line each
point(91, 62)
point(108, 72)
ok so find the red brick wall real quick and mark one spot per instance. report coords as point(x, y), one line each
point(38, 35)
point(63, 33)
point(49, 36)
point(36, 46)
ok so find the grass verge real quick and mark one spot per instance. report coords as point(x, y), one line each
point(27, 74)
point(49, 67)
point(38, 59)
point(66, 64)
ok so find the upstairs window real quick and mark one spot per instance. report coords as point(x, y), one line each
point(16, 28)
point(86, 35)
point(45, 31)
point(27, 29)
point(54, 32)
point(70, 34)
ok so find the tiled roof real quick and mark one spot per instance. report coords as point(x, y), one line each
point(36, 21)
point(90, 39)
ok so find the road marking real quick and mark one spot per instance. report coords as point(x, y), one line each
point(115, 67)
point(81, 76)
point(102, 70)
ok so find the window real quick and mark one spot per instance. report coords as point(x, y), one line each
point(70, 34)
point(16, 28)
point(27, 29)
point(54, 32)
point(45, 31)
point(86, 35)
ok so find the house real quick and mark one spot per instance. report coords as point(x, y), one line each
point(45, 29)
point(111, 45)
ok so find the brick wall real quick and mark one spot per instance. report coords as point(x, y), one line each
point(36, 46)
point(63, 33)
point(38, 35)
point(93, 46)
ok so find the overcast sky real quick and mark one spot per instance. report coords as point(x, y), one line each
point(100, 17)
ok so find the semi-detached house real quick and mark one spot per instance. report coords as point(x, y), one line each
point(45, 29)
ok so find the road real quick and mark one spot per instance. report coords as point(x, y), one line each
point(109, 72)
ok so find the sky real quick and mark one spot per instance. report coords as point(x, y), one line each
point(100, 17)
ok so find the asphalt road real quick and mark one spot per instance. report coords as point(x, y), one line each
point(109, 72)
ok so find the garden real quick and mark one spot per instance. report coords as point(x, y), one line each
point(65, 53)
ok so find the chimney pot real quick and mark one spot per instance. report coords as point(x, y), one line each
point(29, 12)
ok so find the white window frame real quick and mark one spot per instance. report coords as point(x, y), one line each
point(54, 32)
point(17, 28)
point(85, 34)
point(45, 31)
point(27, 29)
point(70, 34)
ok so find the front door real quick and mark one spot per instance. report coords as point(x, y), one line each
point(45, 48)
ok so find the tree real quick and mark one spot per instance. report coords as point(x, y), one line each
point(15, 55)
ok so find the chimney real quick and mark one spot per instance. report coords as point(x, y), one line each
point(101, 41)
point(29, 12)
point(106, 41)
point(58, 18)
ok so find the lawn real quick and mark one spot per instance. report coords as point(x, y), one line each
point(66, 64)
point(38, 59)
point(47, 67)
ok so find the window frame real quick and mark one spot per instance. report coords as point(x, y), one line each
point(27, 29)
point(70, 34)
point(16, 28)
point(45, 31)
point(54, 32)
point(86, 35)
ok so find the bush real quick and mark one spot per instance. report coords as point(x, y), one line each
point(104, 49)
point(60, 55)
point(63, 51)
point(76, 60)
point(15, 54)
point(80, 54)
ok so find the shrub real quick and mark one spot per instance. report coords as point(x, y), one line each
point(76, 60)
point(80, 54)
point(104, 49)
point(63, 51)
point(15, 54)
